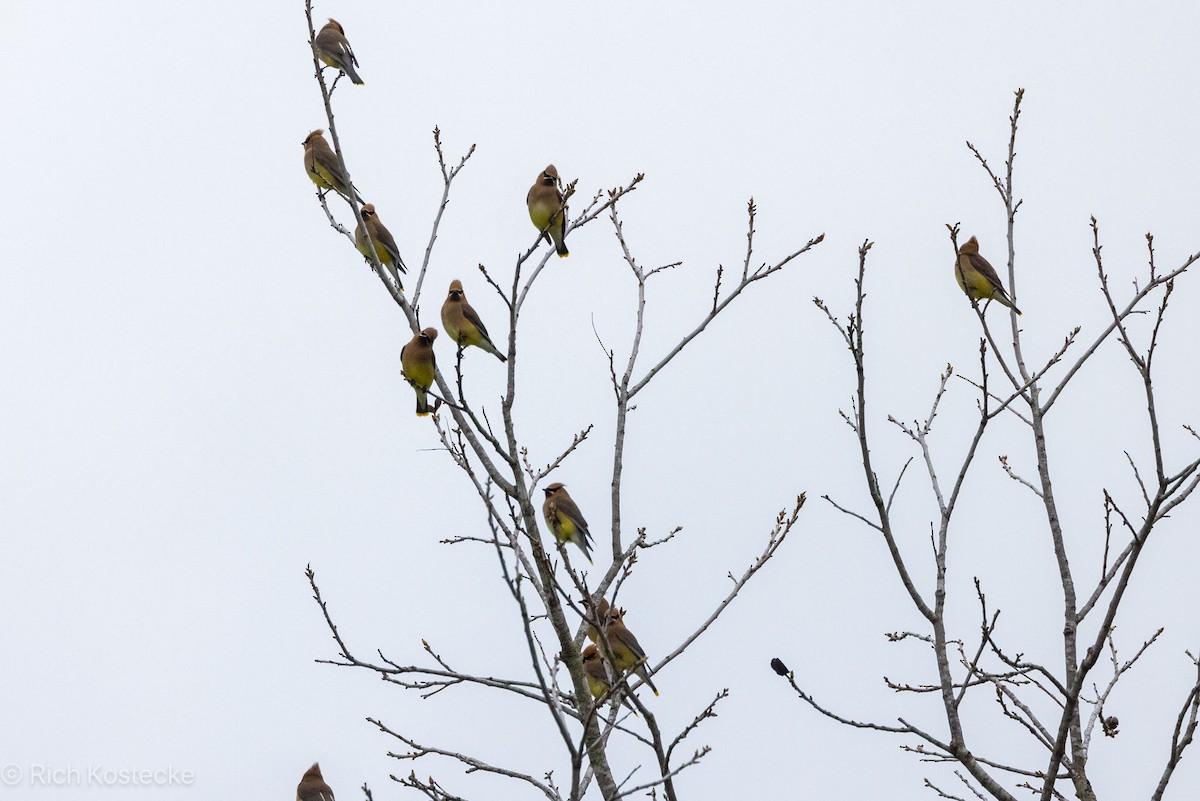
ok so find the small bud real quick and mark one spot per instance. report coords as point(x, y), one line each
point(780, 668)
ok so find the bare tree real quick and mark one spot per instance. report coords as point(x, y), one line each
point(553, 601)
point(1049, 704)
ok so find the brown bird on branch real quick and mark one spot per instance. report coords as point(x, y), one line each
point(334, 50)
point(978, 278)
point(565, 520)
point(598, 679)
point(381, 237)
point(626, 650)
point(462, 324)
point(323, 167)
point(419, 366)
point(547, 210)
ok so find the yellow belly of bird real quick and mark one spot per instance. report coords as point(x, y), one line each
point(321, 177)
point(384, 256)
point(541, 213)
point(566, 529)
point(421, 375)
point(979, 287)
point(625, 660)
point(596, 687)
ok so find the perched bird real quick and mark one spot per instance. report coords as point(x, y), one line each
point(323, 166)
point(598, 680)
point(565, 519)
point(333, 49)
point(978, 278)
point(385, 245)
point(546, 209)
point(462, 324)
point(627, 652)
point(418, 365)
point(312, 786)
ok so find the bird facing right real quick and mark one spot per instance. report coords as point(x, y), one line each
point(978, 278)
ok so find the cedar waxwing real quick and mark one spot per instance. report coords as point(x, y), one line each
point(978, 278)
point(598, 679)
point(333, 49)
point(418, 365)
point(626, 650)
point(312, 786)
point(547, 211)
point(463, 325)
point(565, 519)
point(323, 167)
point(385, 245)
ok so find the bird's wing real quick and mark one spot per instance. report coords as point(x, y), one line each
point(473, 319)
point(384, 237)
point(567, 508)
point(629, 641)
point(980, 264)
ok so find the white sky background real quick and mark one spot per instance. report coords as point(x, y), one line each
point(201, 386)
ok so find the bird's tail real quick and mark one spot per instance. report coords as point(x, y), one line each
point(1003, 298)
point(422, 403)
point(644, 672)
point(581, 541)
point(560, 246)
point(491, 348)
point(391, 268)
point(351, 73)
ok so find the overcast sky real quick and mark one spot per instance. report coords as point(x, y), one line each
point(201, 390)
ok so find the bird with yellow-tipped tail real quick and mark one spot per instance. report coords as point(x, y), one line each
point(978, 278)
point(385, 245)
point(598, 680)
point(419, 366)
point(323, 167)
point(334, 50)
point(462, 324)
point(547, 210)
point(626, 650)
point(565, 520)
